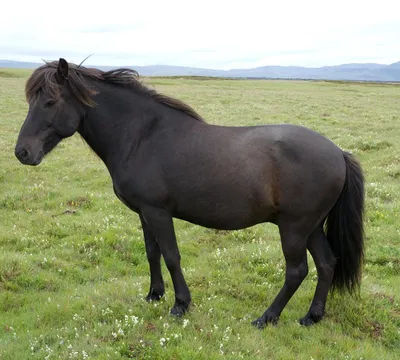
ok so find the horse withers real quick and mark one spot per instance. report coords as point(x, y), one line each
point(167, 162)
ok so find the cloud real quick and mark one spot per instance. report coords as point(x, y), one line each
point(218, 34)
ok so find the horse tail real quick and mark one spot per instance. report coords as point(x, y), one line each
point(344, 229)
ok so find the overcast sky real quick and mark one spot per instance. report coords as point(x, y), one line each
point(203, 33)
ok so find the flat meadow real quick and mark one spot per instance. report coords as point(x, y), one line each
point(73, 268)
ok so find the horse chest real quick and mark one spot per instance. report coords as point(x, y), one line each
point(135, 193)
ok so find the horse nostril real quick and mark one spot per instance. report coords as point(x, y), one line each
point(23, 154)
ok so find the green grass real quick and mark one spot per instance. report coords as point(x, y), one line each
point(73, 270)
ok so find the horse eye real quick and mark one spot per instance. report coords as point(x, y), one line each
point(49, 103)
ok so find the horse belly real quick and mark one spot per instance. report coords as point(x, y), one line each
point(226, 210)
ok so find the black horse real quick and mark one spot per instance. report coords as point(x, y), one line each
point(166, 162)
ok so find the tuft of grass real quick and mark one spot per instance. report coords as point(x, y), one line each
point(73, 269)
point(372, 145)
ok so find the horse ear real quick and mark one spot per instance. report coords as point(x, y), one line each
point(62, 70)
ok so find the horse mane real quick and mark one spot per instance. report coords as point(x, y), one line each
point(44, 78)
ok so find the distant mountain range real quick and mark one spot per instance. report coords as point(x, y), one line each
point(355, 72)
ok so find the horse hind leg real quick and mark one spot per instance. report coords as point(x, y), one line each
point(325, 262)
point(294, 246)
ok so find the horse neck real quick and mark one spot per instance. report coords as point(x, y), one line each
point(110, 121)
point(115, 126)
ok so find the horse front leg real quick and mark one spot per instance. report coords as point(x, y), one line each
point(153, 252)
point(160, 223)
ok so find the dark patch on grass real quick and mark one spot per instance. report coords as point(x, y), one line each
point(66, 212)
point(136, 350)
point(80, 202)
point(385, 261)
point(221, 232)
point(390, 299)
point(376, 329)
point(150, 326)
point(395, 174)
point(8, 274)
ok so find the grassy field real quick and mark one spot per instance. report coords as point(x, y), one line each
point(73, 269)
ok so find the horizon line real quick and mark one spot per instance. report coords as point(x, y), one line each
point(210, 68)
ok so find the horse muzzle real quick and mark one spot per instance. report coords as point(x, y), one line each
point(28, 156)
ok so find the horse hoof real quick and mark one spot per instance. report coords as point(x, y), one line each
point(179, 308)
point(178, 311)
point(309, 320)
point(259, 323)
point(262, 322)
